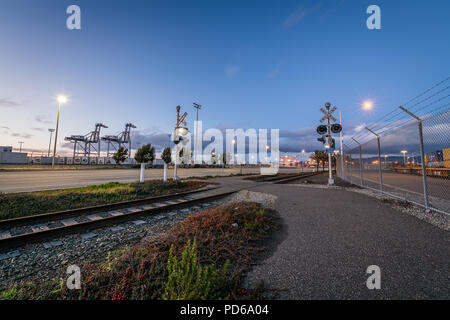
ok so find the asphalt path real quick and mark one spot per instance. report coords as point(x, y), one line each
point(329, 237)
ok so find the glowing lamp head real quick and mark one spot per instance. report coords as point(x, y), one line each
point(62, 99)
point(182, 131)
point(368, 105)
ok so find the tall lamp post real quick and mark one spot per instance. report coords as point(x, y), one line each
point(367, 105)
point(198, 107)
point(61, 100)
point(50, 142)
point(404, 156)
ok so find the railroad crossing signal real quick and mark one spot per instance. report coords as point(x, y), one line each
point(328, 114)
point(325, 131)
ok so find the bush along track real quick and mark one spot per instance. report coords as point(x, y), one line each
point(203, 257)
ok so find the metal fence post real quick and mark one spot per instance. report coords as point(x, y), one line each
point(422, 156)
point(360, 163)
point(379, 165)
point(424, 169)
point(379, 160)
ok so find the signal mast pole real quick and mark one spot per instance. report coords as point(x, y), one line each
point(330, 172)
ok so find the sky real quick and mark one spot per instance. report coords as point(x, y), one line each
point(249, 63)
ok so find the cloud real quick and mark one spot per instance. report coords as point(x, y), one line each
point(38, 129)
point(43, 119)
point(6, 128)
point(5, 102)
point(297, 16)
point(231, 71)
point(21, 135)
point(158, 140)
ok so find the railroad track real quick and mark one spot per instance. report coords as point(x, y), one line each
point(294, 177)
point(281, 178)
point(51, 225)
point(26, 230)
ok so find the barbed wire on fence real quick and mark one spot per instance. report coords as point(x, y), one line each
point(398, 118)
point(405, 153)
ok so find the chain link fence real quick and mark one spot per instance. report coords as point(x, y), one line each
point(398, 164)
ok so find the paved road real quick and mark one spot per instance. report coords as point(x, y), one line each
point(330, 237)
point(22, 181)
point(438, 187)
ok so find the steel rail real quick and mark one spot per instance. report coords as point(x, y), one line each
point(58, 215)
point(27, 238)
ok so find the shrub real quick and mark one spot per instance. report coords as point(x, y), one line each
point(145, 154)
point(209, 268)
point(167, 155)
point(120, 155)
point(187, 280)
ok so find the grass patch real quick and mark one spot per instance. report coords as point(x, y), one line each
point(202, 257)
point(32, 203)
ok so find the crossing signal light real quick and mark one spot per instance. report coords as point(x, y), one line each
point(336, 128)
point(322, 129)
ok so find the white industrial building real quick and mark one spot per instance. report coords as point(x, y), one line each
point(7, 156)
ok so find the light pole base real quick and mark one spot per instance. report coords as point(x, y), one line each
point(330, 181)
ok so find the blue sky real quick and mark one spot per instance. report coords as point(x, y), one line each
point(251, 64)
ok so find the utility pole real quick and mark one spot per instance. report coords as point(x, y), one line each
point(50, 142)
point(20, 148)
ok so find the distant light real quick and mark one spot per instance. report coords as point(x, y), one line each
point(368, 105)
point(404, 151)
point(327, 146)
point(62, 99)
point(303, 151)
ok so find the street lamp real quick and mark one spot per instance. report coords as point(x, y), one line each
point(61, 100)
point(404, 156)
point(367, 105)
point(198, 107)
point(50, 142)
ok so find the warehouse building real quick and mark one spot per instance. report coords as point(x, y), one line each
point(7, 156)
